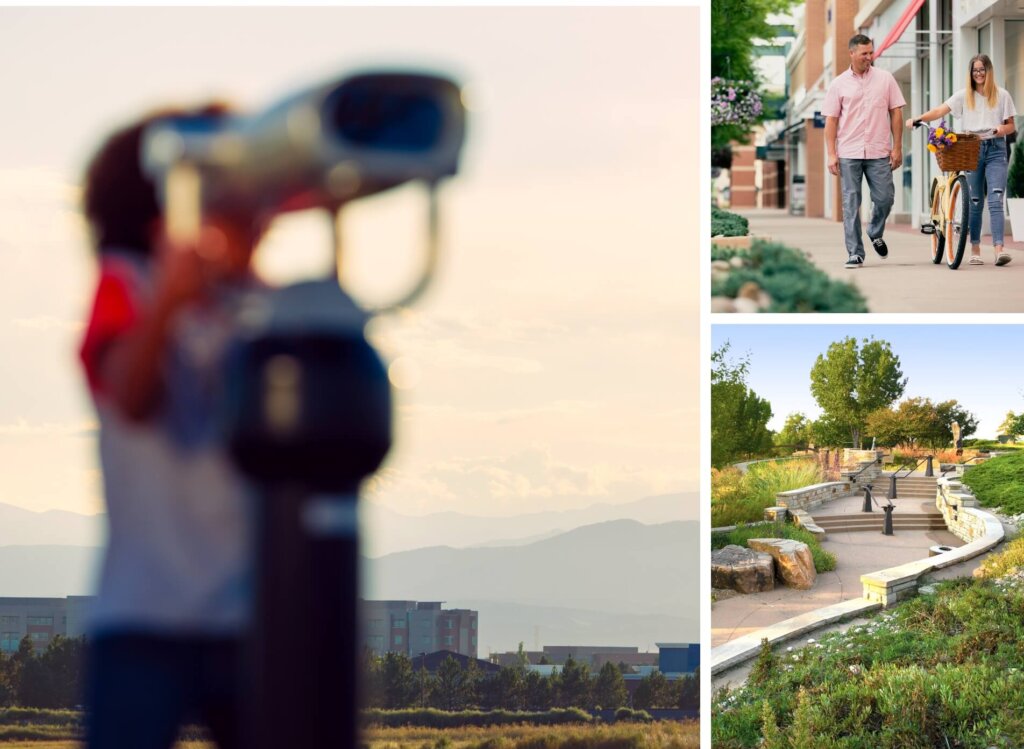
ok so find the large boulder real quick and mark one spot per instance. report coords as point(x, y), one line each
point(745, 570)
point(794, 564)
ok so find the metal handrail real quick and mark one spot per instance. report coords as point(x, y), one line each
point(925, 459)
point(874, 462)
point(965, 462)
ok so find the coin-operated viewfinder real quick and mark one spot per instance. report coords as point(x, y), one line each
point(307, 406)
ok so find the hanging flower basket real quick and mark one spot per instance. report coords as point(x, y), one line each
point(735, 103)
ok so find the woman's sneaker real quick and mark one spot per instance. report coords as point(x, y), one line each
point(880, 248)
point(855, 262)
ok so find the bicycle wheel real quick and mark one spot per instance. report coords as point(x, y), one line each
point(959, 222)
point(938, 239)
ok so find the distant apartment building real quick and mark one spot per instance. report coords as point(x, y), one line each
point(593, 656)
point(671, 658)
point(416, 627)
point(41, 619)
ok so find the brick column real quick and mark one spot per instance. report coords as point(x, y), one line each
point(743, 194)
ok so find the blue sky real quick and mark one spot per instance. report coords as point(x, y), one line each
point(981, 366)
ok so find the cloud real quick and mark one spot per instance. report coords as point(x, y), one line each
point(24, 428)
point(47, 323)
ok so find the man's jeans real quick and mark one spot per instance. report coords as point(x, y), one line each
point(991, 170)
point(879, 177)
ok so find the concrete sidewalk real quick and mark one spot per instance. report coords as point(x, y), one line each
point(907, 281)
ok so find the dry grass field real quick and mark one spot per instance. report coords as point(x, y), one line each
point(664, 735)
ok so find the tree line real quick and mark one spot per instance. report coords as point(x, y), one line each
point(52, 679)
point(393, 683)
point(48, 679)
point(855, 383)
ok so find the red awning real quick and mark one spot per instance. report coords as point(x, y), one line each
point(901, 25)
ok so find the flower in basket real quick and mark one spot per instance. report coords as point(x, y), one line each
point(940, 138)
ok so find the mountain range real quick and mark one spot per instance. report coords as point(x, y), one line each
point(613, 582)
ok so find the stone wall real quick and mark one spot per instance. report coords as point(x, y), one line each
point(813, 495)
point(956, 503)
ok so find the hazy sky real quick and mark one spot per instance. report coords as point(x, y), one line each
point(981, 366)
point(553, 364)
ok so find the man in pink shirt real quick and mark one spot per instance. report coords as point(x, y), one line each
point(863, 129)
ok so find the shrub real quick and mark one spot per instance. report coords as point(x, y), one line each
point(1011, 559)
point(626, 714)
point(741, 498)
point(789, 278)
point(727, 224)
point(940, 670)
point(1015, 175)
point(999, 482)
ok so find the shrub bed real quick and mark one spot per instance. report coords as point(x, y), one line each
point(999, 482)
point(788, 277)
point(824, 561)
point(728, 224)
point(738, 497)
point(942, 670)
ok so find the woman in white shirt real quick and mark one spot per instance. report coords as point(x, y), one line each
point(988, 110)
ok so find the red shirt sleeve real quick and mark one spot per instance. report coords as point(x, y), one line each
point(115, 310)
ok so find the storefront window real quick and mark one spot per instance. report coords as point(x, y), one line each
point(1014, 80)
point(985, 40)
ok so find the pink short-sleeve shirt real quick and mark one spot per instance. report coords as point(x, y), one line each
point(862, 104)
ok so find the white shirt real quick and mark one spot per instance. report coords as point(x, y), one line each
point(983, 116)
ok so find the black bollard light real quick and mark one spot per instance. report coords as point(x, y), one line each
point(928, 468)
point(887, 522)
point(892, 486)
point(867, 499)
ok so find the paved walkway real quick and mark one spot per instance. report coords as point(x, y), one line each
point(856, 554)
point(907, 281)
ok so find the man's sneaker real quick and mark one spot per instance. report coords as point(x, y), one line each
point(880, 248)
point(855, 262)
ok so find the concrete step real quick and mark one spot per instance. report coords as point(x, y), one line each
point(873, 521)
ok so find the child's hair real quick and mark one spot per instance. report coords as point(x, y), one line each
point(120, 202)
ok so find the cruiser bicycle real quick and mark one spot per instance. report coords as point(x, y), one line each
point(949, 223)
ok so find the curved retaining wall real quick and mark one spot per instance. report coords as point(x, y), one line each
point(980, 530)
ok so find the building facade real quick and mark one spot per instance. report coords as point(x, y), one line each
point(928, 58)
point(41, 619)
point(416, 627)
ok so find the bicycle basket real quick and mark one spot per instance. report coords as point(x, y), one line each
point(961, 156)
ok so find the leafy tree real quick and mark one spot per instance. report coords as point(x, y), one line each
point(450, 686)
point(398, 683)
point(538, 692)
point(472, 678)
point(919, 422)
point(1011, 425)
point(505, 690)
point(948, 412)
point(610, 687)
point(851, 381)
point(574, 684)
point(796, 434)
point(827, 432)
point(689, 692)
point(736, 27)
point(652, 691)
point(739, 418)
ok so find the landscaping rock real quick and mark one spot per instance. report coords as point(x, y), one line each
point(794, 564)
point(742, 570)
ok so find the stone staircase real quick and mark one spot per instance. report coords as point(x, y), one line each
point(909, 487)
point(872, 521)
